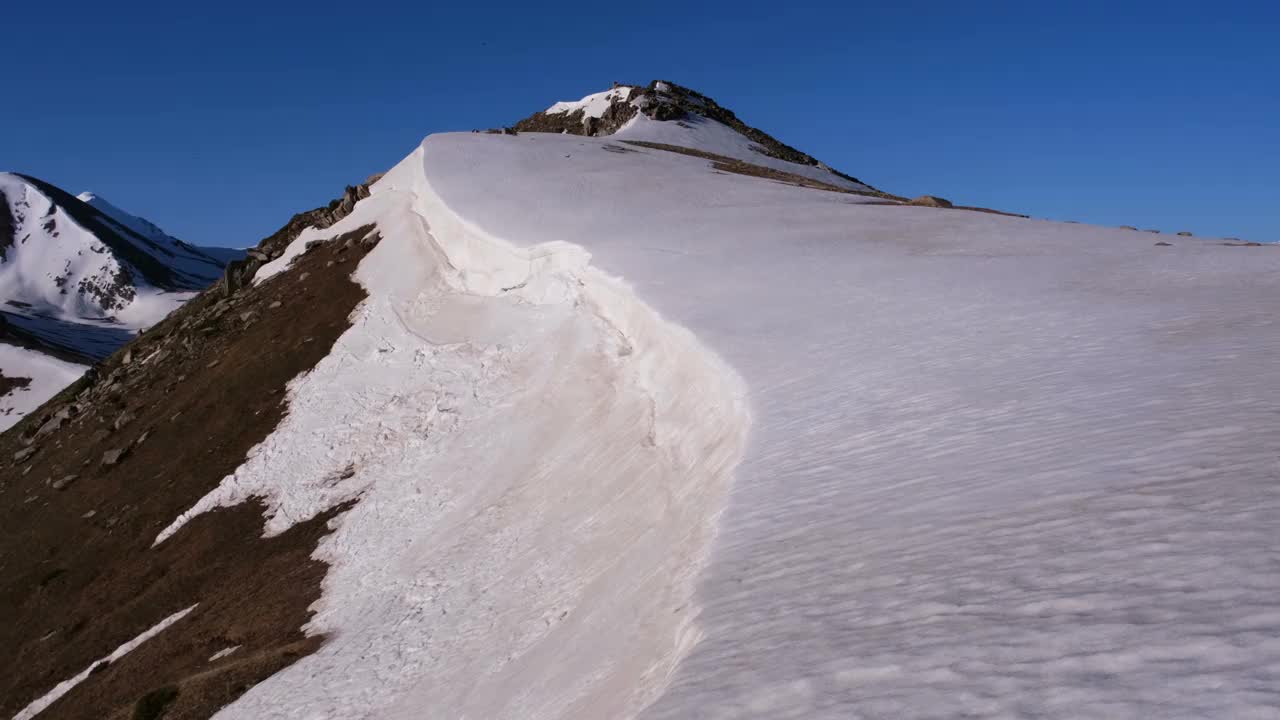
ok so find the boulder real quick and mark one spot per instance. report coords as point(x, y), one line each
point(1184, 233)
point(63, 482)
point(113, 457)
point(25, 454)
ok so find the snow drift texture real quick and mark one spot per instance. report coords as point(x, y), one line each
point(997, 467)
point(538, 459)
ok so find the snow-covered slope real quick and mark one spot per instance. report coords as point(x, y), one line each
point(613, 434)
point(78, 276)
point(998, 467)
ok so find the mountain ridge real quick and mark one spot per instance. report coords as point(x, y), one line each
point(462, 438)
point(78, 278)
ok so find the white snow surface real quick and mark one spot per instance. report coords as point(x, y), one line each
point(593, 105)
point(48, 375)
point(708, 135)
point(62, 688)
point(539, 459)
point(997, 467)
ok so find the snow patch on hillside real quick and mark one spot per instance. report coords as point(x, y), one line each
point(48, 375)
point(64, 687)
point(539, 460)
point(593, 105)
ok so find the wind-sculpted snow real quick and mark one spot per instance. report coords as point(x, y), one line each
point(538, 460)
point(998, 467)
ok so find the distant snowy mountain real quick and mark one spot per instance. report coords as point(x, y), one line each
point(569, 425)
point(78, 278)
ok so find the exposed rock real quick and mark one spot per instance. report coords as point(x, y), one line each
point(52, 423)
point(319, 217)
point(25, 454)
point(63, 482)
point(663, 100)
point(113, 457)
point(1184, 233)
point(123, 419)
point(1128, 227)
point(238, 273)
point(931, 201)
point(1164, 244)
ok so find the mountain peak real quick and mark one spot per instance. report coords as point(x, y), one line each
point(668, 113)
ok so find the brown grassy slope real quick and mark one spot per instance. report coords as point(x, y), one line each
point(78, 575)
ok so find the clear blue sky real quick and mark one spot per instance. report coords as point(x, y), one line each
point(220, 121)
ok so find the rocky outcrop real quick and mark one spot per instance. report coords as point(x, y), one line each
point(664, 101)
point(578, 123)
point(272, 246)
point(6, 227)
point(931, 201)
point(9, 384)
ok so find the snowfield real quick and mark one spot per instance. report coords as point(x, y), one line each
point(47, 374)
point(982, 466)
point(538, 457)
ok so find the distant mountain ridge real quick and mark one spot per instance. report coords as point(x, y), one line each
point(78, 278)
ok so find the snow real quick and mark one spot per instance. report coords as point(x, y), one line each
point(224, 652)
point(62, 688)
point(539, 460)
point(593, 105)
point(48, 375)
point(708, 135)
point(44, 273)
point(999, 467)
point(996, 467)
